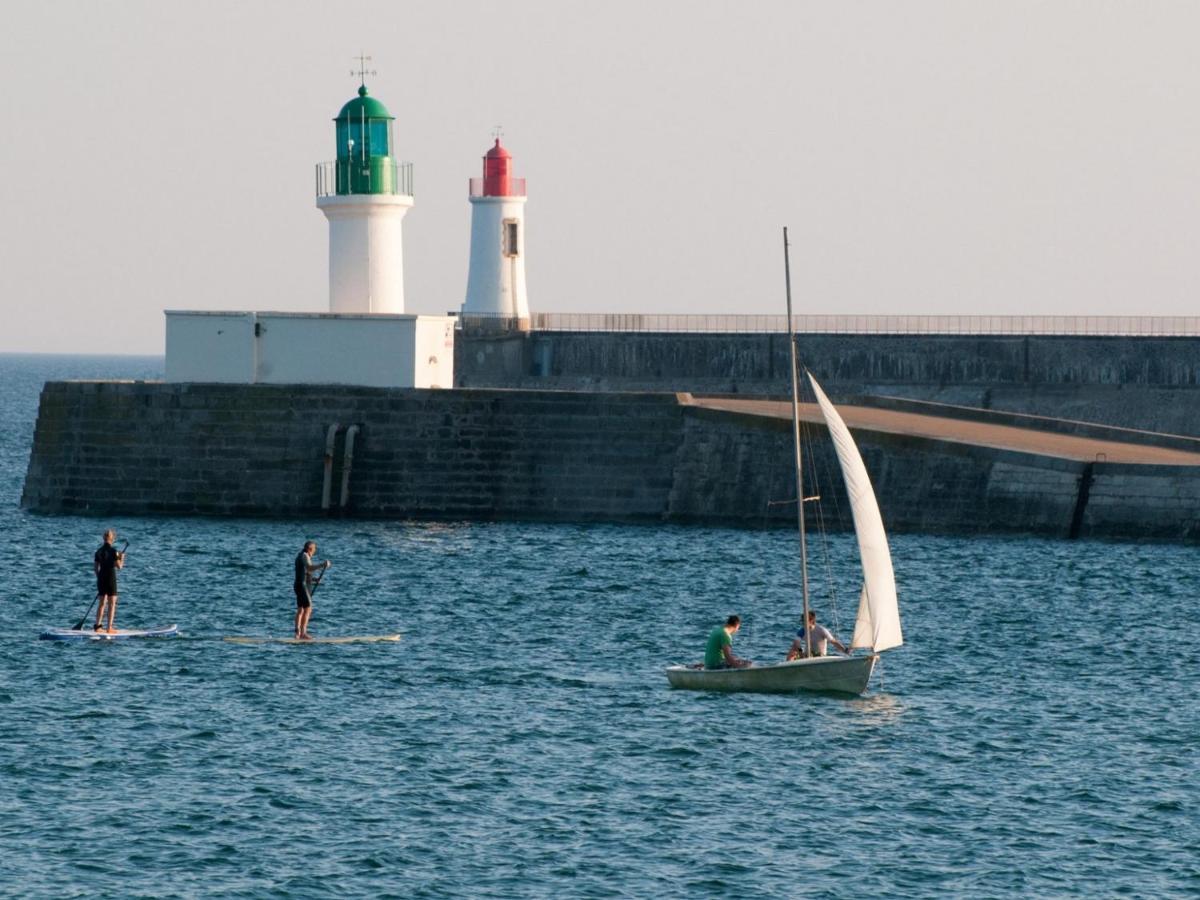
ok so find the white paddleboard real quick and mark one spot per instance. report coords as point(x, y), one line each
point(118, 634)
point(358, 639)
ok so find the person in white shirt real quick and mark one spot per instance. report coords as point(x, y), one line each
point(822, 637)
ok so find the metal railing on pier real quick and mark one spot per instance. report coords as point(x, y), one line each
point(1115, 326)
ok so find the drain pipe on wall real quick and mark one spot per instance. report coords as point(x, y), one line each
point(327, 483)
point(347, 465)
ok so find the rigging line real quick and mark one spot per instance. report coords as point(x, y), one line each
point(834, 605)
point(806, 436)
point(827, 475)
point(818, 478)
point(821, 472)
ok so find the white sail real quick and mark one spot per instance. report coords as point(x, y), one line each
point(878, 624)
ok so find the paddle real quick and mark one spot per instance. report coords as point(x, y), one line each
point(317, 583)
point(79, 625)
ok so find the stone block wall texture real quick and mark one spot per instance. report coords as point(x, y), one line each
point(108, 448)
point(1150, 383)
point(259, 450)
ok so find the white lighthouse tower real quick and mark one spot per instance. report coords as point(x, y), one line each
point(365, 193)
point(496, 278)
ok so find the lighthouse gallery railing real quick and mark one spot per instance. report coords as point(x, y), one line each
point(514, 187)
point(378, 175)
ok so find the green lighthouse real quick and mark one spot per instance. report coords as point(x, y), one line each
point(364, 164)
point(365, 193)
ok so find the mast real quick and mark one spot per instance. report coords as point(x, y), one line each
point(787, 277)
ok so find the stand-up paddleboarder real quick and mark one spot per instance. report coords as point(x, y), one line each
point(106, 562)
point(303, 587)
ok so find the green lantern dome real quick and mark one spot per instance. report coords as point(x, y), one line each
point(364, 147)
point(364, 105)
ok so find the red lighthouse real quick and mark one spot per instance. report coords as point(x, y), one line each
point(496, 277)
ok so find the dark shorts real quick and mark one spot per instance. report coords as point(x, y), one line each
point(303, 598)
point(106, 585)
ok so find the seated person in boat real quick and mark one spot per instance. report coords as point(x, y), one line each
point(718, 652)
point(822, 637)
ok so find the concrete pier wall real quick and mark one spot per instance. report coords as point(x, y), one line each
point(1150, 383)
point(109, 448)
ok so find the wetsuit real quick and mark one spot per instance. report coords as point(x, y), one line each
point(303, 595)
point(106, 571)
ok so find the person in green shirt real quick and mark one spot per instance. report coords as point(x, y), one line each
point(718, 652)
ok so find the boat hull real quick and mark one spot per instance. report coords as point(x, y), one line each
point(840, 674)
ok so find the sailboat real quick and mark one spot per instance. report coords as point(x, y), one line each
point(877, 626)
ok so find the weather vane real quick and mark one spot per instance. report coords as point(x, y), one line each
point(497, 132)
point(362, 71)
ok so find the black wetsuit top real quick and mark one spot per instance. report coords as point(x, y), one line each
point(106, 570)
point(301, 570)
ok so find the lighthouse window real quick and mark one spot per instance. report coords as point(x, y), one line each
point(378, 131)
point(350, 140)
point(512, 246)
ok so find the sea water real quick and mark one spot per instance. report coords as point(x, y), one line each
point(1036, 734)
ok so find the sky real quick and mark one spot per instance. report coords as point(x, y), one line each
point(1022, 157)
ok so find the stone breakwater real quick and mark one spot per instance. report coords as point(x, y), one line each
point(108, 448)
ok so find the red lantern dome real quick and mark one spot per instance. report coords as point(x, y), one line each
point(497, 172)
